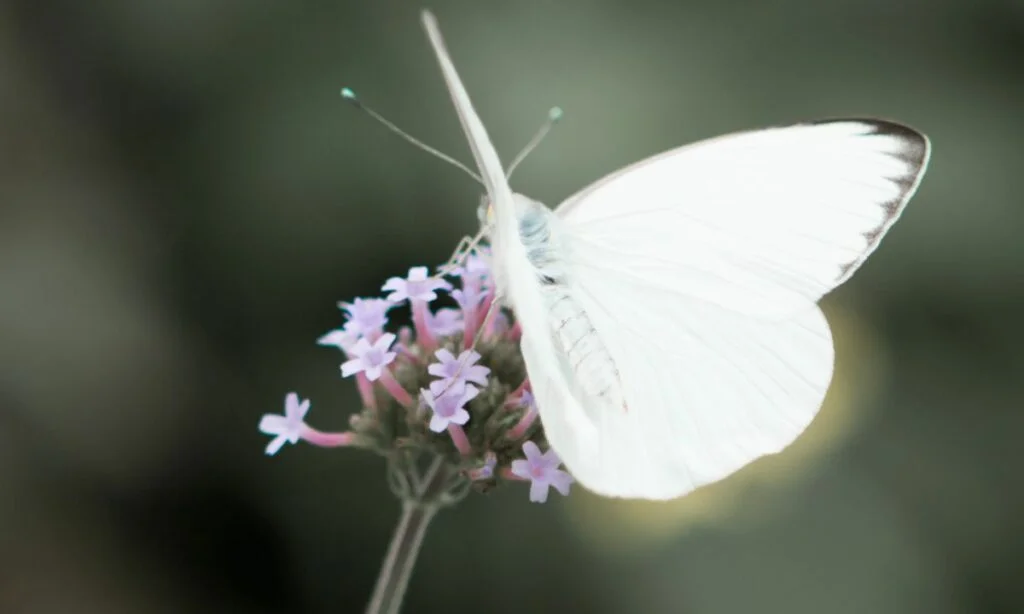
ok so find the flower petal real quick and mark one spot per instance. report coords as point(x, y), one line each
point(550, 459)
point(361, 347)
point(468, 394)
point(300, 411)
point(449, 387)
point(373, 372)
point(561, 481)
point(438, 424)
point(338, 337)
point(273, 424)
point(351, 367)
point(532, 452)
point(539, 491)
point(384, 342)
point(476, 374)
point(275, 445)
point(394, 284)
point(521, 468)
point(460, 417)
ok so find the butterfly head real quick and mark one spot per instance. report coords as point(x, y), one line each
point(485, 213)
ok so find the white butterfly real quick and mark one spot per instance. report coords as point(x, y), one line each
point(669, 317)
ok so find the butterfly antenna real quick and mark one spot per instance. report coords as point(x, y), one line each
point(350, 96)
point(554, 115)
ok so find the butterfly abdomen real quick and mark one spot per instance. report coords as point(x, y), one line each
point(583, 352)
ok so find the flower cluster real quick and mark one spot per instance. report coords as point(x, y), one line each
point(453, 385)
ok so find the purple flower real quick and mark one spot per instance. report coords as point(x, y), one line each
point(370, 358)
point(446, 321)
point(476, 265)
point(366, 316)
point(449, 407)
point(287, 428)
point(455, 373)
point(542, 471)
point(486, 470)
point(419, 286)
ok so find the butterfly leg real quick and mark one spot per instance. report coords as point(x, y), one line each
point(464, 248)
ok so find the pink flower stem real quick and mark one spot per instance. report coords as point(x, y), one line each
point(471, 324)
point(420, 314)
point(459, 439)
point(405, 336)
point(395, 389)
point(516, 332)
point(327, 440)
point(513, 397)
point(519, 430)
point(485, 307)
point(366, 393)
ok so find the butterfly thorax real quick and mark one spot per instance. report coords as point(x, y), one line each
point(538, 231)
point(584, 354)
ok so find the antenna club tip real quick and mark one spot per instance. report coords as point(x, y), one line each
point(555, 114)
point(348, 94)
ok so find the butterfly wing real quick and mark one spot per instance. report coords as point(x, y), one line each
point(759, 222)
point(486, 156)
point(698, 270)
point(707, 390)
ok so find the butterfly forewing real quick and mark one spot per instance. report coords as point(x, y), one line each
point(759, 222)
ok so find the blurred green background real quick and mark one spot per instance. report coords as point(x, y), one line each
point(184, 197)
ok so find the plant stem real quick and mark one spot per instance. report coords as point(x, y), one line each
point(401, 557)
point(424, 498)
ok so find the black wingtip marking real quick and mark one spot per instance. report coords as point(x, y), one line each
point(915, 152)
point(917, 145)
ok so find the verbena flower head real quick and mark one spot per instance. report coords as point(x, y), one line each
point(452, 387)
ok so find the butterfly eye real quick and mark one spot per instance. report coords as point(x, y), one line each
point(485, 212)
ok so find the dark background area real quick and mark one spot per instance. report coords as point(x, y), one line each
point(184, 198)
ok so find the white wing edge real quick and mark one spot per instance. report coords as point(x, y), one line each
point(484, 153)
point(917, 153)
